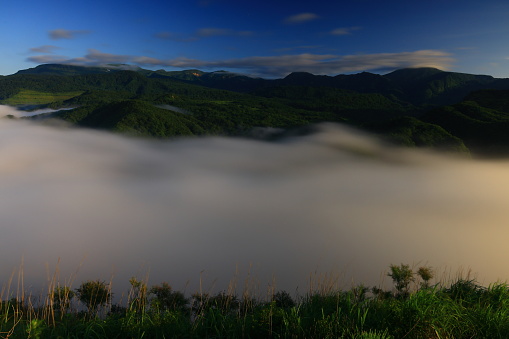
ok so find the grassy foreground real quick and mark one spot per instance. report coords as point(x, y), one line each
point(414, 309)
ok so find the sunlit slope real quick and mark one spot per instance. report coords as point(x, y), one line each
point(31, 97)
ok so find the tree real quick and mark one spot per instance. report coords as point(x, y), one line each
point(167, 299)
point(283, 299)
point(94, 294)
point(402, 276)
point(426, 273)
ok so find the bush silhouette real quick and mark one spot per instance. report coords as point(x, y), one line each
point(94, 294)
point(167, 299)
point(402, 276)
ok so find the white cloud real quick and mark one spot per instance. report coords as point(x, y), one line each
point(58, 34)
point(344, 30)
point(276, 66)
point(301, 18)
point(47, 59)
point(201, 33)
point(44, 49)
point(93, 58)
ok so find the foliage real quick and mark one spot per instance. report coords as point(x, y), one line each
point(94, 294)
point(62, 297)
point(165, 299)
point(402, 106)
point(402, 276)
point(461, 309)
point(137, 295)
point(426, 273)
point(283, 299)
point(412, 132)
point(30, 97)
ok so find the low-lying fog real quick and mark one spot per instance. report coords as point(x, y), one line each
point(91, 205)
point(19, 113)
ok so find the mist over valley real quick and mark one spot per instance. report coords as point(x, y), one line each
point(92, 205)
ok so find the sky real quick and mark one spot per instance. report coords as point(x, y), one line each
point(259, 38)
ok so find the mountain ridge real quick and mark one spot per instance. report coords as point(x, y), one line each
point(418, 86)
point(417, 107)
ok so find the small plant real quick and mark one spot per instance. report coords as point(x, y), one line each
point(94, 294)
point(137, 295)
point(402, 276)
point(283, 299)
point(380, 294)
point(168, 300)
point(359, 292)
point(62, 296)
point(466, 291)
point(224, 302)
point(426, 273)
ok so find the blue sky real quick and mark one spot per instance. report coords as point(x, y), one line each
point(261, 38)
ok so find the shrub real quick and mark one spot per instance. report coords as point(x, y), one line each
point(62, 296)
point(167, 299)
point(94, 294)
point(402, 276)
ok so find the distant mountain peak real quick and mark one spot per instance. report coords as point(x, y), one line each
point(295, 75)
point(413, 72)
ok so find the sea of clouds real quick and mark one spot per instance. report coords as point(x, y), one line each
point(82, 204)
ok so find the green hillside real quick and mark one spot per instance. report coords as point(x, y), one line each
point(134, 117)
point(422, 107)
point(413, 132)
point(31, 97)
point(484, 130)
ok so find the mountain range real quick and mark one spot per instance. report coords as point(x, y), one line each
point(415, 107)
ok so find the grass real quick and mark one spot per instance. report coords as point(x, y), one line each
point(25, 96)
point(457, 309)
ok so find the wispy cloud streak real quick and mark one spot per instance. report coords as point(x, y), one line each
point(49, 49)
point(301, 18)
point(92, 58)
point(201, 33)
point(344, 30)
point(58, 34)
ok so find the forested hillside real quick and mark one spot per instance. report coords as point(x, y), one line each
point(421, 107)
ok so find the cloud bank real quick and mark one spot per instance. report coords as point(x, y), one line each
point(210, 208)
point(92, 58)
point(277, 66)
point(273, 66)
